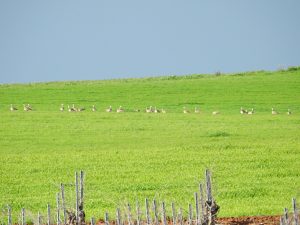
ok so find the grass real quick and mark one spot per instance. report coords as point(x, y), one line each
point(255, 159)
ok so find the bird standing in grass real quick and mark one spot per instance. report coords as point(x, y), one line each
point(62, 108)
point(251, 112)
point(289, 112)
point(185, 110)
point(94, 108)
point(149, 110)
point(197, 110)
point(12, 108)
point(71, 109)
point(120, 109)
point(243, 111)
point(215, 112)
point(109, 109)
point(156, 110)
point(274, 112)
point(27, 107)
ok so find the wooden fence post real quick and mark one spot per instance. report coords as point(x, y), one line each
point(23, 216)
point(62, 189)
point(9, 222)
point(48, 215)
point(164, 217)
point(81, 188)
point(156, 222)
point(180, 217)
point(173, 213)
point(286, 216)
point(208, 185)
point(39, 222)
point(295, 211)
point(190, 214)
point(129, 214)
point(118, 217)
point(202, 203)
point(58, 209)
point(147, 212)
point(138, 216)
point(197, 209)
point(92, 221)
point(77, 197)
point(106, 218)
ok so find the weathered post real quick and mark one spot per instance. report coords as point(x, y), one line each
point(202, 203)
point(295, 211)
point(106, 219)
point(23, 216)
point(164, 217)
point(173, 213)
point(147, 212)
point(77, 197)
point(211, 206)
point(9, 220)
point(92, 221)
point(208, 186)
point(48, 215)
point(197, 209)
point(156, 222)
point(57, 209)
point(190, 214)
point(118, 217)
point(129, 216)
point(39, 221)
point(286, 216)
point(138, 213)
point(81, 188)
point(180, 217)
point(62, 189)
point(282, 222)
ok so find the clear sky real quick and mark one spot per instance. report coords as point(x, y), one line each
point(103, 39)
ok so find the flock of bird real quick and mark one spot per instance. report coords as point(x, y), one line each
point(150, 109)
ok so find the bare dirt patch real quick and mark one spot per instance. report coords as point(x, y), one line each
point(249, 220)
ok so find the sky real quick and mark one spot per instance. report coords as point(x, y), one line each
point(62, 40)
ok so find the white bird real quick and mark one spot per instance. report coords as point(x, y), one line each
point(71, 109)
point(185, 110)
point(62, 108)
point(243, 111)
point(94, 108)
point(215, 112)
point(27, 107)
point(274, 112)
point(109, 109)
point(149, 110)
point(120, 109)
point(12, 108)
point(289, 112)
point(156, 110)
point(251, 112)
point(197, 110)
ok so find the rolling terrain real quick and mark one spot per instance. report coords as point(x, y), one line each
point(255, 159)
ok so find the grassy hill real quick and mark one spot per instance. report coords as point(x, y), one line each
point(255, 159)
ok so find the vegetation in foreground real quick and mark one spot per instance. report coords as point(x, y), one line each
point(255, 159)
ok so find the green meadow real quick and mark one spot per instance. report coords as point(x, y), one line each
point(254, 159)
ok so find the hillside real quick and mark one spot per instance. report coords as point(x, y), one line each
point(255, 159)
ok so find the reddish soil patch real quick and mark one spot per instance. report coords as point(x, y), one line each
point(250, 220)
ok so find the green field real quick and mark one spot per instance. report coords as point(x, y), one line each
point(255, 159)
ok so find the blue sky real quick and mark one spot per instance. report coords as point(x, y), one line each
point(103, 39)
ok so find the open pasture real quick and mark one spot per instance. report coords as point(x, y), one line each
point(255, 159)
